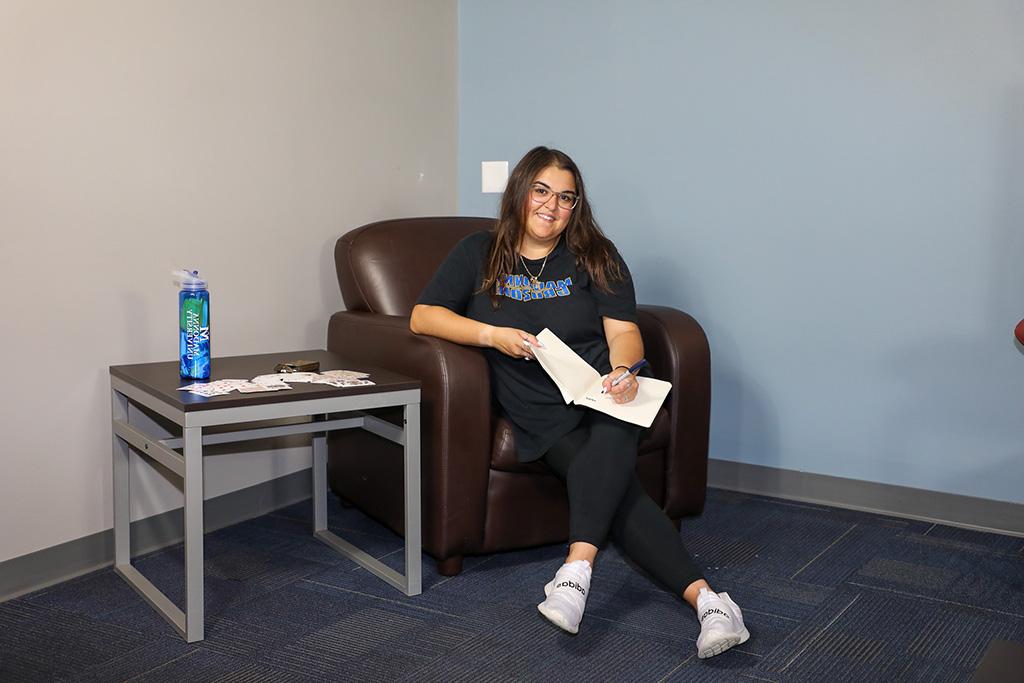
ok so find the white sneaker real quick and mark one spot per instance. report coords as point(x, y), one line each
point(567, 596)
point(721, 624)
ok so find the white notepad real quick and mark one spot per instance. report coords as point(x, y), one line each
point(581, 384)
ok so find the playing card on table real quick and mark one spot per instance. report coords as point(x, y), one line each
point(345, 374)
point(210, 390)
point(299, 376)
point(253, 387)
point(341, 382)
point(215, 388)
point(269, 380)
point(285, 377)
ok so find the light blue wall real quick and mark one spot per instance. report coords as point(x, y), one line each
point(835, 190)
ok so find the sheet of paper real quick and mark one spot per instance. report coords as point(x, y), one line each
point(581, 384)
point(641, 410)
point(571, 374)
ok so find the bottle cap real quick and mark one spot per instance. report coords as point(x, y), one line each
point(189, 279)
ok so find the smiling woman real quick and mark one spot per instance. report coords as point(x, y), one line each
point(547, 213)
point(547, 264)
point(544, 198)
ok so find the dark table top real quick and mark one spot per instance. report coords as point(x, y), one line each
point(163, 379)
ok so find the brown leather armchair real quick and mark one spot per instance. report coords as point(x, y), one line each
point(477, 498)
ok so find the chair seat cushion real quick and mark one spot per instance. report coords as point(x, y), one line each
point(503, 452)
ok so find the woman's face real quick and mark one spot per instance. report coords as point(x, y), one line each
point(545, 219)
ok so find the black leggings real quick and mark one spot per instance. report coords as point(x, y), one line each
point(597, 461)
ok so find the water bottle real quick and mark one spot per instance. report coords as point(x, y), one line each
point(193, 325)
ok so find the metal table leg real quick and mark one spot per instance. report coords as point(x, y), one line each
point(190, 623)
point(122, 484)
point(409, 436)
point(413, 514)
point(193, 437)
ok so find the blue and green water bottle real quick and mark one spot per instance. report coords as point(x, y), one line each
point(193, 325)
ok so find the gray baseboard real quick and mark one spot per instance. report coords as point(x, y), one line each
point(49, 566)
point(899, 501)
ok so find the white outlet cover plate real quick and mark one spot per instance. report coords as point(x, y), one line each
point(494, 176)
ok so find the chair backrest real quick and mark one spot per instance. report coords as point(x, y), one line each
point(383, 267)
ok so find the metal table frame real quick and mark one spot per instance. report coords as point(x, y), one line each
point(188, 466)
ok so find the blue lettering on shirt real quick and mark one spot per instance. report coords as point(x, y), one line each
point(518, 287)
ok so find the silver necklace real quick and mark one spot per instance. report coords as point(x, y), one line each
point(534, 279)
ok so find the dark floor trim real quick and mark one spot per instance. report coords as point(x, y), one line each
point(899, 501)
point(52, 565)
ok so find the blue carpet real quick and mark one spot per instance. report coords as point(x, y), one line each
point(828, 595)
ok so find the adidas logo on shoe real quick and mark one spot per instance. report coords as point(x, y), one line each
point(713, 610)
point(571, 584)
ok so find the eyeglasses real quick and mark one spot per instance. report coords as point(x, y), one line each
point(541, 193)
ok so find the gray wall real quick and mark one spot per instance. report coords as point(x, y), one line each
point(833, 189)
point(241, 137)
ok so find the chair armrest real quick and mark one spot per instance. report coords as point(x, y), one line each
point(677, 349)
point(455, 419)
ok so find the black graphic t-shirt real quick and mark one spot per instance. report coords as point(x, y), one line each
point(563, 300)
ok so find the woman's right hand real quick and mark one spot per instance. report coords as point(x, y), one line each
point(512, 342)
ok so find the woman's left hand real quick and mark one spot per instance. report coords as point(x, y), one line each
point(623, 392)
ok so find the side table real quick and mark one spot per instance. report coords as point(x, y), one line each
point(320, 408)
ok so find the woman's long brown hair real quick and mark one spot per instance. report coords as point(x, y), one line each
point(584, 238)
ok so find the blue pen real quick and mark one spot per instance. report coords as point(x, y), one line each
point(633, 368)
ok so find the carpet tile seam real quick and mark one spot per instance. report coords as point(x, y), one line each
point(809, 584)
point(677, 667)
point(825, 550)
point(940, 600)
point(379, 559)
point(162, 665)
point(820, 633)
point(389, 600)
point(748, 610)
